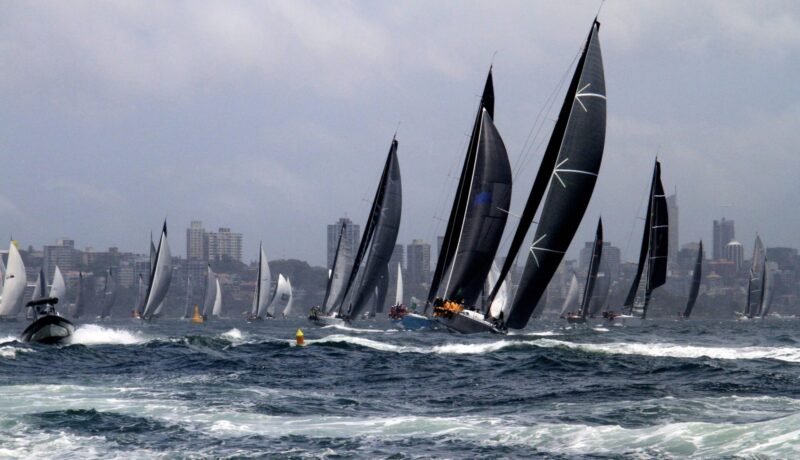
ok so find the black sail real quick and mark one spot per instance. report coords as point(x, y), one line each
point(651, 272)
point(601, 290)
point(572, 181)
point(594, 266)
point(757, 270)
point(697, 275)
point(379, 238)
point(458, 214)
point(488, 201)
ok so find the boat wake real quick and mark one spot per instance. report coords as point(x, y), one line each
point(93, 334)
point(342, 327)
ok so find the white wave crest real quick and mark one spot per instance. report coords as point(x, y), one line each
point(233, 335)
point(672, 350)
point(343, 327)
point(92, 334)
point(446, 349)
point(11, 352)
point(8, 339)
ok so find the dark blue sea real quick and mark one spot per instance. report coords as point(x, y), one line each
point(229, 389)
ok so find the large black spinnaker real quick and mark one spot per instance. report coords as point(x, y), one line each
point(569, 172)
point(479, 212)
point(697, 274)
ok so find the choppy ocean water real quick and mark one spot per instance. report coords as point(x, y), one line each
point(229, 389)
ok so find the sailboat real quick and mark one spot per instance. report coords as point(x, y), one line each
point(216, 311)
point(334, 288)
point(211, 292)
point(591, 278)
point(281, 298)
point(141, 291)
point(374, 250)
point(756, 282)
point(475, 226)
point(109, 293)
point(261, 296)
point(651, 272)
point(697, 274)
point(288, 309)
point(399, 310)
point(13, 286)
point(377, 242)
point(568, 174)
point(160, 279)
point(570, 305)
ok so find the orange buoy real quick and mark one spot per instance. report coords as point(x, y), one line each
point(299, 339)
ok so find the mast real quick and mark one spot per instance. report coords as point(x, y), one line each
point(261, 297)
point(696, 277)
point(378, 240)
point(594, 266)
point(577, 141)
point(109, 293)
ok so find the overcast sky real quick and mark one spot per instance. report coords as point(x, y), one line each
point(274, 118)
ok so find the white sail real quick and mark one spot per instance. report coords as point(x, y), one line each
point(211, 292)
point(571, 301)
point(500, 304)
point(263, 283)
point(59, 288)
point(162, 275)
point(217, 310)
point(288, 309)
point(398, 293)
point(2, 275)
point(14, 285)
point(160, 308)
point(283, 294)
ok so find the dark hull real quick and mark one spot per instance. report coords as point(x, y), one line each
point(576, 320)
point(464, 324)
point(48, 329)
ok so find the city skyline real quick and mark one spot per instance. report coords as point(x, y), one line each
point(198, 142)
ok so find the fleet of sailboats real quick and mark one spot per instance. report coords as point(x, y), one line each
point(468, 292)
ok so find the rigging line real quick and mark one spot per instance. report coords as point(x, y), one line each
point(541, 116)
point(435, 224)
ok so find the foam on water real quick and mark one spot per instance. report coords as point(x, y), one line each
point(11, 352)
point(344, 327)
point(93, 334)
point(446, 349)
point(672, 350)
point(777, 437)
point(233, 335)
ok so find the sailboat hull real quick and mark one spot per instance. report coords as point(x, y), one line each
point(468, 322)
point(625, 320)
point(327, 321)
point(415, 322)
point(50, 329)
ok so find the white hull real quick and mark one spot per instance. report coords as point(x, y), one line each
point(625, 320)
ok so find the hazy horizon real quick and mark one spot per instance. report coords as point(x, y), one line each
point(274, 119)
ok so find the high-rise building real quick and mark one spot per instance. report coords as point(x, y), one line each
point(224, 244)
point(418, 260)
point(723, 234)
point(196, 243)
point(672, 231)
point(397, 258)
point(61, 254)
point(352, 237)
point(734, 251)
